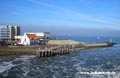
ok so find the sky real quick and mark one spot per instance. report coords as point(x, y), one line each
point(63, 17)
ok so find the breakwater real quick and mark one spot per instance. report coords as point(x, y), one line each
point(67, 47)
point(57, 47)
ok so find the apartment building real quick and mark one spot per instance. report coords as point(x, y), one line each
point(8, 32)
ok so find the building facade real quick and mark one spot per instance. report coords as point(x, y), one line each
point(17, 30)
point(9, 32)
point(33, 38)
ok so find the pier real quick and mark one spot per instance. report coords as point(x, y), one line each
point(53, 47)
point(65, 47)
point(58, 50)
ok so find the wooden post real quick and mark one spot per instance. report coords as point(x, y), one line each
point(62, 51)
point(67, 50)
point(37, 53)
point(73, 48)
point(45, 53)
point(48, 53)
point(42, 53)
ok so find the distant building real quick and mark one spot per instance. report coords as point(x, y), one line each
point(33, 38)
point(17, 30)
point(9, 32)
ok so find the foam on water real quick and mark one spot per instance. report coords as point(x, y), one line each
point(54, 76)
point(117, 75)
point(4, 66)
point(26, 71)
point(24, 57)
point(74, 59)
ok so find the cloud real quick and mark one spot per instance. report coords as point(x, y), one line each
point(76, 14)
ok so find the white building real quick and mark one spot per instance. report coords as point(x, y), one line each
point(33, 38)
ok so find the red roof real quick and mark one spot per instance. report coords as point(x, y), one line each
point(32, 36)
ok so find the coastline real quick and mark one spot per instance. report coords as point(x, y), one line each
point(31, 50)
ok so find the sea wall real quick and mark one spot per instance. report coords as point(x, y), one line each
point(17, 50)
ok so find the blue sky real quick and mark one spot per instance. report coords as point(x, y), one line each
point(63, 17)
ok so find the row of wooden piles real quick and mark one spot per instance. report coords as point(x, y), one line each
point(58, 50)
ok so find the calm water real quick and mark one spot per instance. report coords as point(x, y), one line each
point(65, 66)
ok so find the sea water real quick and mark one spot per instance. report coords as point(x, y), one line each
point(101, 62)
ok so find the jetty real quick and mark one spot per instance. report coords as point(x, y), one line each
point(52, 48)
point(67, 46)
point(58, 50)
